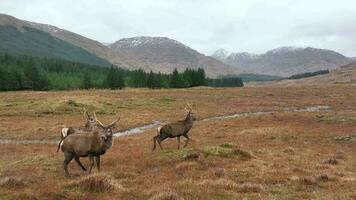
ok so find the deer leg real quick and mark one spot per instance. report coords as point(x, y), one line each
point(186, 141)
point(160, 138)
point(67, 158)
point(97, 161)
point(154, 142)
point(79, 163)
point(159, 143)
point(178, 140)
point(91, 158)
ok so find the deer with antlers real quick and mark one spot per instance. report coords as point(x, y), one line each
point(89, 126)
point(91, 144)
point(175, 129)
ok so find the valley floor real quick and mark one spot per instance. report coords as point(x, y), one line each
point(288, 153)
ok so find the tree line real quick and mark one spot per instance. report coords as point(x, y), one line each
point(34, 73)
point(308, 74)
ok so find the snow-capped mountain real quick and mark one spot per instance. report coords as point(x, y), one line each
point(164, 54)
point(286, 61)
point(106, 43)
point(221, 54)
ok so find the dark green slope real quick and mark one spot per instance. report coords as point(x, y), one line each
point(28, 41)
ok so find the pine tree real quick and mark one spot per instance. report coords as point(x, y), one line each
point(151, 80)
point(86, 83)
point(174, 82)
point(3, 80)
point(139, 78)
point(110, 78)
point(157, 80)
point(114, 79)
point(201, 77)
point(34, 80)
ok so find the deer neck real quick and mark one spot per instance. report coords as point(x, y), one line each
point(88, 126)
point(188, 121)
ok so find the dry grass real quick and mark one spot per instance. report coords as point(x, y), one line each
point(283, 155)
point(95, 183)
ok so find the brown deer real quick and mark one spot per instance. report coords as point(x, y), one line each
point(89, 126)
point(93, 144)
point(175, 129)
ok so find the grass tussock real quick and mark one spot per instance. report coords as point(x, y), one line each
point(185, 166)
point(325, 177)
point(289, 150)
point(222, 183)
point(12, 182)
point(219, 172)
point(331, 161)
point(251, 188)
point(123, 175)
point(305, 180)
point(166, 195)
point(346, 138)
point(227, 145)
point(182, 154)
point(216, 151)
point(95, 183)
point(243, 154)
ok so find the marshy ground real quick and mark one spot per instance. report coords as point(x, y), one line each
point(279, 155)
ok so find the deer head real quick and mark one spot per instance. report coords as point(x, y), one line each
point(189, 110)
point(91, 122)
point(107, 128)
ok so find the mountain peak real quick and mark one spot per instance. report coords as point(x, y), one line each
point(285, 61)
point(221, 54)
point(134, 42)
point(284, 49)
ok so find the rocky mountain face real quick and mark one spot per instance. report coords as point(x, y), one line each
point(164, 55)
point(285, 61)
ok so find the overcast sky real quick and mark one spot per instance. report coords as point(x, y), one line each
point(205, 25)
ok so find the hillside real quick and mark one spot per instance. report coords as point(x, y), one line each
point(18, 37)
point(342, 75)
point(285, 61)
point(164, 54)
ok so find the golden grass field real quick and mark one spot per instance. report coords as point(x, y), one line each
point(280, 155)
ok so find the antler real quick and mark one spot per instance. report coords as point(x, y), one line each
point(114, 122)
point(188, 108)
point(96, 119)
point(85, 113)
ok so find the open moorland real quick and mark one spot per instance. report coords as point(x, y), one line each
point(294, 142)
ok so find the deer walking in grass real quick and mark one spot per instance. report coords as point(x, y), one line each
point(91, 144)
point(175, 129)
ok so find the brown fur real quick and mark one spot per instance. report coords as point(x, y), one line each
point(175, 129)
point(91, 144)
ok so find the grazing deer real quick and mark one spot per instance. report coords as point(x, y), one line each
point(175, 129)
point(93, 144)
point(89, 126)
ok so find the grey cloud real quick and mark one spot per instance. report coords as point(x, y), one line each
point(205, 25)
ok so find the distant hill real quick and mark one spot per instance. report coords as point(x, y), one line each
point(20, 37)
point(284, 61)
point(341, 75)
point(164, 54)
point(254, 77)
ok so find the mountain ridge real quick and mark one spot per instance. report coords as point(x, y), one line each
point(125, 58)
point(164, 54)
point(286, 61)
